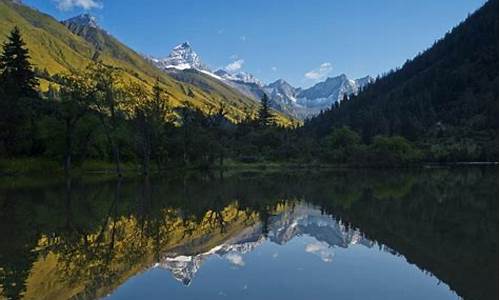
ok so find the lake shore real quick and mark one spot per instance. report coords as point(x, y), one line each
point(40, 166)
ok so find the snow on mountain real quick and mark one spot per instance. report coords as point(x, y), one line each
point(182, 57)
point(242, 77)
point(282, 92)
point(297, 102)
point(332, 90)
point(362, 82)
point(302, 220)
point(83, 20)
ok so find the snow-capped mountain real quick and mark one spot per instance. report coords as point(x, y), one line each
point(297, 102)
point(282, 92)
point(332, 90)
point(83, 20)
point(182, 57)
point(242, 77)
point(302, 220)
point(362, 82)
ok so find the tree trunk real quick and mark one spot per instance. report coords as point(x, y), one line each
point(69, 145)
point(116, 153)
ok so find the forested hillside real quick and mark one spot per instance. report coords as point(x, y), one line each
point(445, 99)
point(56, 48)
point(106, 106)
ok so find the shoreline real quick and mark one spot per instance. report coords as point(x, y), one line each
point(36, 167)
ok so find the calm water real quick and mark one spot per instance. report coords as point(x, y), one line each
point(425, 234)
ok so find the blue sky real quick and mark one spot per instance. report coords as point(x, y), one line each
point(297, 40)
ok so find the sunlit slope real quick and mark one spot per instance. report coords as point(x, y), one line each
point(55, 48)
point(95, 269)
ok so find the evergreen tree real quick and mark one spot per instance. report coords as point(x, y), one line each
point(17, 75)
point(265, 117)
point(19, 88)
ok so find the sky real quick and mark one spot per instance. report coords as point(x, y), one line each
point(300, 41)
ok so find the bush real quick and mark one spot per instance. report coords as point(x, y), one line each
point(392, 151)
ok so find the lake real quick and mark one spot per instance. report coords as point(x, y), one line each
point(430, 233)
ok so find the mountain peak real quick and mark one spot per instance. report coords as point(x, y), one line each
point(279, 82)
point(184, 45)
point(181, 57)
point(342, 77)
point(242, 77)
point(85, 19)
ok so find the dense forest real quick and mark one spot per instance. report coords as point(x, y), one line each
point(441, 106)
point(445, 100)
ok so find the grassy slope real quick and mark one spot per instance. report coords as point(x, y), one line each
point(57, 49)
point(45, 280)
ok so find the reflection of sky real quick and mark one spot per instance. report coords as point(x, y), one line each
point(235, 259)
point(322, 250)
point(301, 268)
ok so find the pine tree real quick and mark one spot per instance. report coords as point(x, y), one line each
point(17, 75)
point(265, 117)
point(17, 104)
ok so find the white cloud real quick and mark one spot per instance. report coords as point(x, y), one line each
point(235, 65)
point(234, 57)
point(85, 4)
point(322, 250)
point(274, 69)
point(235, 259)
point(243, 38)
point(320, 72)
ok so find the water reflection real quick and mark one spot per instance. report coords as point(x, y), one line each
point(287, 224)
point(83, 240)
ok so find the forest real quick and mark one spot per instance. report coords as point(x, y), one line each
point(440, 107)
point(445, 100)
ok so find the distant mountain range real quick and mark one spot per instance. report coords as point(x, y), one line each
point(302, 220)
point(73, 44)
point(297, 102)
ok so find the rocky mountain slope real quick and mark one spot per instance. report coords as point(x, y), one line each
point(282, 228)
point(295, 102)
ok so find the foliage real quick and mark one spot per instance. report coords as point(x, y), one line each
point(57, 49)
point(101, 113)
point(445, 98)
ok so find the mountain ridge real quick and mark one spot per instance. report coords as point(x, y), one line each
point(71, 45)
point(296, 102)
point(284, 227)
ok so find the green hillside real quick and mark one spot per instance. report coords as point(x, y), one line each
point(55, 48)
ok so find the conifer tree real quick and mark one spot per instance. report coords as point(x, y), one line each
point(20, 89)
point(17, 75)
point(265, 117)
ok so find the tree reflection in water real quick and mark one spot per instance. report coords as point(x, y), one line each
point(81, 239)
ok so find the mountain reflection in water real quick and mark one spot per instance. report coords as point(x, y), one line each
point(87, 240)
point(283, 227)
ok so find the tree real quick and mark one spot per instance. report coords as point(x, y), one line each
point(342, 143)
point(220, 126)
point(20, 89)
point(391, 151)
point(151, 115)
point(109, 103)
point(17, 74)
point(265, 117)
point(74, 102)
point(160, 116)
